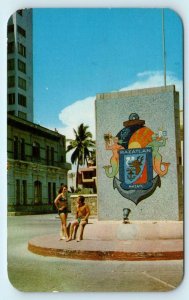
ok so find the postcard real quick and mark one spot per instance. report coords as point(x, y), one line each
point(95, 149)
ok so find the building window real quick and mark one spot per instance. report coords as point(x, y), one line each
point(22, 115)
point(15, 147)
point(11, 99)
point(11, 81)
point(11, 47)
point(10, 64)
point(11, 28)
point(49, 193)
point(54, 190)
point(21, 66)
point(52, 156)
point(22, 149)
point(22, 83)
point(22, 100)
point(24, 191)
point(36, 151)
point(37, 192)
point(17, 192)
point(21, 31)
point(19, 148)
point(47, 155)
point(21, 49)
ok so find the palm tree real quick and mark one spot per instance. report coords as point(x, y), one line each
point(81, 145)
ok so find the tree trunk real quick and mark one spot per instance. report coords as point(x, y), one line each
point(77, 175)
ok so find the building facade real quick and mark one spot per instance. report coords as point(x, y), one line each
point(36, 155)
point(20, 65)
point(36, 166)
point(87, 178)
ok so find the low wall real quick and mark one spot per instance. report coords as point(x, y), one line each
point(30, 209)
point(90, 199)
point(135, 230)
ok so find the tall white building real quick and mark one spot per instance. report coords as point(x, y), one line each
point(37, 164)
point(20, 65)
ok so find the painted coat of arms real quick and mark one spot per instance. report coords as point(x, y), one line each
point(136, 157)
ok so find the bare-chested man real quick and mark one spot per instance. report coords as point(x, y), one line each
point(82, 215)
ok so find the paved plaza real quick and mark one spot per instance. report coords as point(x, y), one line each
point(31, 272)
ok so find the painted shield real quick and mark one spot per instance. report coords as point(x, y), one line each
point(136, 168)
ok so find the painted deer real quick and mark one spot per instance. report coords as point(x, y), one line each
point(137, 163)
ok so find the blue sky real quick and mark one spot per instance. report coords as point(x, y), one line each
point(81, 52)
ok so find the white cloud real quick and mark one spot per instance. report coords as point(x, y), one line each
point(149, 73)
point(154, 79)
point(83, 111)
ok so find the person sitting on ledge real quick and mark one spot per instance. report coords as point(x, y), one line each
point(82, 215)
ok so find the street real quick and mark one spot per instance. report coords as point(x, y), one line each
point(35, 273)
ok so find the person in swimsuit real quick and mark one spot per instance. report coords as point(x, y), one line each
point(82, 215)
point(61, 205)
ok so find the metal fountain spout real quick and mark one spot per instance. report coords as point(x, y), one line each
point(126, 212)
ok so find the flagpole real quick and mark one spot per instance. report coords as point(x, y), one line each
point(163, 42)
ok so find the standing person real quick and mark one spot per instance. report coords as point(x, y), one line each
point(82, 215)
point(61, 205)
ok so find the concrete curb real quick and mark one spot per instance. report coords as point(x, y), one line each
point(113, 240)
point(107, 250)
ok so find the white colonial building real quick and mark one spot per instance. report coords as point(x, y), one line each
point(36, 166)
